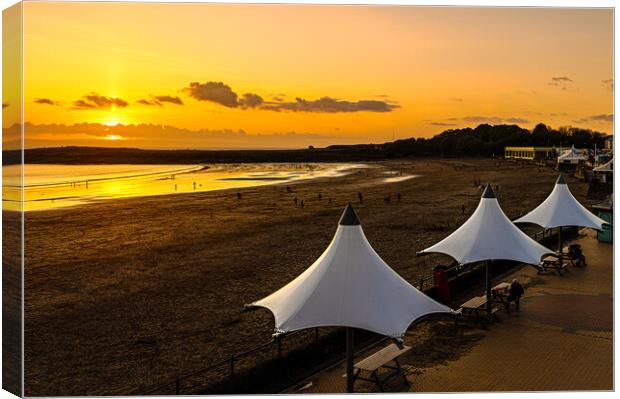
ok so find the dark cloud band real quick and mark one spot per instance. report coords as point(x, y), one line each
point(159, 100)
point(96, 101)
point(222, 94)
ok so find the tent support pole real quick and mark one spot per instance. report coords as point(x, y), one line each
point(350, 360)
point(560, 241)
point(488, 286)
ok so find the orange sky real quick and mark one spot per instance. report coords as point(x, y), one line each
point(349, 73)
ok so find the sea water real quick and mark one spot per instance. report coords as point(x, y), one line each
point(54, 186)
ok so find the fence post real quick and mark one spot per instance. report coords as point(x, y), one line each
point(178, 386)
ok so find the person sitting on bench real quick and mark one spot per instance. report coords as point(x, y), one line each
point(515, 291)
point(576, 254)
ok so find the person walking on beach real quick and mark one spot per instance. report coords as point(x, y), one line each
point(360, 196)
point(320, 196)
point(238, 196)
point(295, 201)
point(463, 209)
point(515, 292)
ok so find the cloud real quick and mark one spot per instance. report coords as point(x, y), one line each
point(158, 100)
point(487, 119)
point(45, 101)
point(170, 137)
point(608, 118)
point(221, 93)
point(250, 100)
point(216, 92)
point(609, 84)
point(169, 99)
point(560, 81)
point(148, 102)
point(516, 120)
point(330, 105)
point(442, 124)
point(96, 101)
point(493, 119)
point(456, 99)
point(4, 105)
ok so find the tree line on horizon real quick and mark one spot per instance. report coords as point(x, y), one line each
point(488, 140)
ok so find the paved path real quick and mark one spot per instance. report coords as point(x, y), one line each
point(561, 339)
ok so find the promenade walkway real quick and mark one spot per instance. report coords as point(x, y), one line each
point(561, 339)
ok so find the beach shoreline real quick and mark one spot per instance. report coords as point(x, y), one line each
point(81, 185)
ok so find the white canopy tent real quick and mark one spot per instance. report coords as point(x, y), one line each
point(606, 167)
point(349, 285)
point(573, 155)
point(560, 209)
point(489, 235)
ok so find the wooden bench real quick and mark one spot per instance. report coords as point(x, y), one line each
point(373, 363)
point(554, 263)
point(475, 309)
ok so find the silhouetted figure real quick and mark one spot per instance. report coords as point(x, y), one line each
point(462, 209)
point(387, 199)
point(360, 196)
point(295, 200)
point(87, 184)
point(398, 197)
point(288, 189)
point(302, 203)
point(238, 196)
point(515, 292)
point(576, 254)
point(175, 187)
point(320, 196)
point(194, 185)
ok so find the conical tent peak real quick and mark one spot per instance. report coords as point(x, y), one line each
point(560, 180)
point(488, 192)
point(349, 218)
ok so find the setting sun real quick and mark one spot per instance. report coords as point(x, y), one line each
point(111, 122)
point(113, 137)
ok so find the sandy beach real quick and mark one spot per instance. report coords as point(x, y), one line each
point(129, 293)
